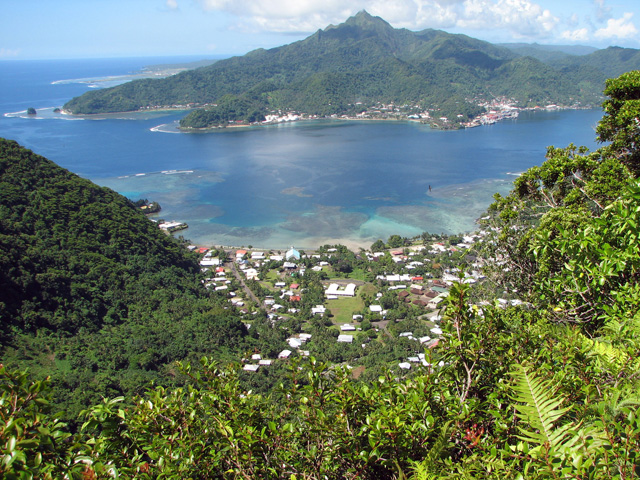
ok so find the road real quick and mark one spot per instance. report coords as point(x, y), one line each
point(247, 290)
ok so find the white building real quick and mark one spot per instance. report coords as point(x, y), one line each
point(347, 291)
point(345, 338)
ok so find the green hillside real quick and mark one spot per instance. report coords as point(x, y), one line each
point(361, 62)
point(92, 292)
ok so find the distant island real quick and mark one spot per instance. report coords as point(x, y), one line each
point(365, 68)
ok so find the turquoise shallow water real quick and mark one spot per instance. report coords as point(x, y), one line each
point(302, 184)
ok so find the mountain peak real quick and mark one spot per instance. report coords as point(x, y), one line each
point(363, 19)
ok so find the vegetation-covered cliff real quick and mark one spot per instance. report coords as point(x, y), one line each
point(92, 292)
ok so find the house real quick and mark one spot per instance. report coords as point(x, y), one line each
point(318, 309)
point(294, 286)
point(375, 308)
point(210, 262)
point(295, 342)
point(251, 368)
point(433, 303)
point(251, 274)
point(347, 291)
point(284, 354)
point(345, 338)
point(292, 254)
point(347, 328)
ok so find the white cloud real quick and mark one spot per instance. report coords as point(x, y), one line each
point(9, 52)
point(578, 35)
point(521, 18)
point(603, 12)
point(285, 15)
point(573, 20)
point(618, 28)
point(172, 4)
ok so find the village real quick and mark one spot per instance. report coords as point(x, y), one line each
point(336, 304)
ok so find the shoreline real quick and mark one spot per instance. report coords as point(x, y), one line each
point(428, 122)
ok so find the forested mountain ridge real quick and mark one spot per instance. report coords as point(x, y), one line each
point(93, 293)
point(54, 224)
point(361, 62)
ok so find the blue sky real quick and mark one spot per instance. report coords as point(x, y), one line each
point(43, 29)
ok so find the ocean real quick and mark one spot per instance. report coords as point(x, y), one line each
point(304, 184)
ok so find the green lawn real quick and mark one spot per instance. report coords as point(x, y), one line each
point(342, 309)
point(272, 276)
point(357, 274)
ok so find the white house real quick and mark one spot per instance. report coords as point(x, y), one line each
point(347, 291)
point(318, 309)
point(292, 254)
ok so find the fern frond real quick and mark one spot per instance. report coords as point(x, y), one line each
point(539, 409)
point(616, 401)
point(611, 355)
point(441, 443)
point(426, 469)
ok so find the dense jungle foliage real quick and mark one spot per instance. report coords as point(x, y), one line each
point(92, 293)
point(544, 390)
point(365, 61)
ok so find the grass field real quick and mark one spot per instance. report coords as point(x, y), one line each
point(342, 309)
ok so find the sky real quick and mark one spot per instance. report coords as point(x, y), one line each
point(55, 29)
